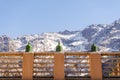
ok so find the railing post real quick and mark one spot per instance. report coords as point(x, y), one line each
point(27, 66)
point(95, 66)
point(58, 66)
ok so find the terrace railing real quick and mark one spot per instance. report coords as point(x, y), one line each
point(11, 66)
point(60, 66)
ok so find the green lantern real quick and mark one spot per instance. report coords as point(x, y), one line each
point(59, 47)
point(28, 48)
point(93, 48)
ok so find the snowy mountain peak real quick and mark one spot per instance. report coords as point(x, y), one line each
point(106, 37)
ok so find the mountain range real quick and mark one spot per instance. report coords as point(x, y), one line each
point(105, 36)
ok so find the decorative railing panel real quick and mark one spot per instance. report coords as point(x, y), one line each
point(77, 65)
point(43, 65)
point(111, 65)
point(11, 65)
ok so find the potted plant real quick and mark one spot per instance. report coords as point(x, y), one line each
point(93, 48)
point(59, 47)
point(28, 47)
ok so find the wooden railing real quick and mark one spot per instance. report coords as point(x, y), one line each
point(11, 65)
point(60, 66)
point(43, 65)
point(77, 65)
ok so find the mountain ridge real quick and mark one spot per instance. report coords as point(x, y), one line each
point(105, 36)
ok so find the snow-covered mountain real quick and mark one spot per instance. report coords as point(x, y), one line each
point(105, 36)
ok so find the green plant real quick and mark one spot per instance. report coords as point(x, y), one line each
point(93, 48)
point(59, 47)
point(28, 48)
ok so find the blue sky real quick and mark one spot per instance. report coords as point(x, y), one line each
point(21, 17)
